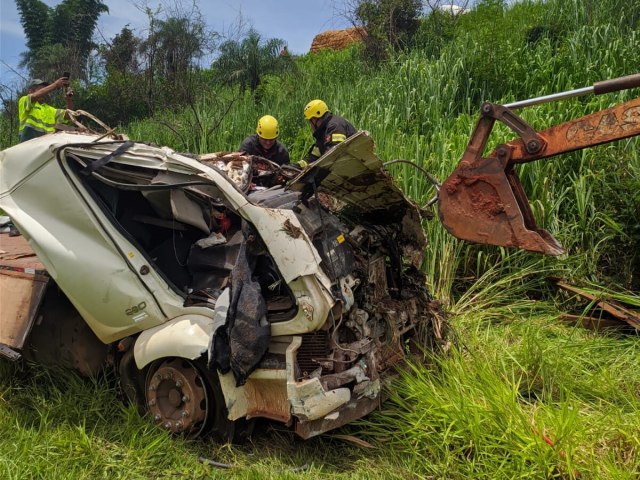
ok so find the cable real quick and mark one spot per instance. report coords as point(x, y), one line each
point(434, 181)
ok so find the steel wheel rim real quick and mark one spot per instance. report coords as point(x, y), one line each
point(177, 397)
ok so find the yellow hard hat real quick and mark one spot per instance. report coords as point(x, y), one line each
point(268, 127)
point(315, 109)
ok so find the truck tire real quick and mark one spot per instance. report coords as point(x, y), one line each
point(184, 397)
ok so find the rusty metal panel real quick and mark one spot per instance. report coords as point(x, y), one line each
point(61, 337)
point(483, 200)
point(268, 399)
point(20, 297)
point(16, 253)
point(604, 313)
point(590, 323)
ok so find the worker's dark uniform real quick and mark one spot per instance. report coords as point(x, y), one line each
point(277, 153)
point(331, 131)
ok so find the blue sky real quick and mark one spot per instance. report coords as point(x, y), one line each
point(295, 21)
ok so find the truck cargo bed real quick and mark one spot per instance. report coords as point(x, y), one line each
point(15, 253)
point(23, 281)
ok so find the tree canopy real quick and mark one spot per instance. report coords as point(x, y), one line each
point(59, 38)
point(245, 62)
point(389, 23)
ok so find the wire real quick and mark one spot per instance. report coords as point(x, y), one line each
point(434, 181)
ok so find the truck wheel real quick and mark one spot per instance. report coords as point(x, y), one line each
point(186, 399)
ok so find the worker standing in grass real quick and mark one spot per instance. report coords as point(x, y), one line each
point(37, 117)
point(264, 142)
point(328, 129)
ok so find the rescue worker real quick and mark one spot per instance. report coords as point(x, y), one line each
point(264, 142)
point(37, 117)
point(328, 129)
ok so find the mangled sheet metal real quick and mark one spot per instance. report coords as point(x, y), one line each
point(354, 177)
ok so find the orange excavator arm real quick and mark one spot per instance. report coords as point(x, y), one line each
point(483, 200)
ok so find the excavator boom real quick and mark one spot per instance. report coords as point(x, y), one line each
point(483, 200)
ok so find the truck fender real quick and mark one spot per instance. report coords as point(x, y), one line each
point(187, 336)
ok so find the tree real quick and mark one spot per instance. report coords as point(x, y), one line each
point(440, 25)
point(245, 62)
point(180, 44)
point(158, 68)
point(8, 116)
point(390, 24)
point(34, 16)
point(62, 34)
point(170, 53)
point(120, 95)
point(122, 54)
point(50, 61)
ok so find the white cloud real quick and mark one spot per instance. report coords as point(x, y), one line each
point(10, 28)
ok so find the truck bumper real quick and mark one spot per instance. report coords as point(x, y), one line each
point(318, 410)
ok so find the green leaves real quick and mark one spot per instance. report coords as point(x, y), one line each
point(389, 24)
point(35, 20)
point(69, 25)
point(245, 62)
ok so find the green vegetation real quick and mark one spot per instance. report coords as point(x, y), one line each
point(245, 63)
point(390, 25)
point(521, 394)
point(59, 38)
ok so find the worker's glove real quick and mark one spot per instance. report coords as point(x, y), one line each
point(302, 164)
point(69, 92)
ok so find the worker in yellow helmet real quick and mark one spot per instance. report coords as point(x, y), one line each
point(328, 129)
point(264, 142)
point(37, 117)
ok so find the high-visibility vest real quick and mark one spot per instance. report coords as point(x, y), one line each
point(39, 116)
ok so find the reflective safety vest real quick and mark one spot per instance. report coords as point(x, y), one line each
point(37, 116)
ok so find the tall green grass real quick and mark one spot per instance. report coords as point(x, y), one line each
point(519, 396)
point(523, 400)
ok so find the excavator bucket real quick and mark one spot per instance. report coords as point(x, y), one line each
point(483, 200)
point(484, 203)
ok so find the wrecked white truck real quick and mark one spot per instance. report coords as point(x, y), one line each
point(214, 307)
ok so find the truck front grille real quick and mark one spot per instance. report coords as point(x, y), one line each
point(315, 346)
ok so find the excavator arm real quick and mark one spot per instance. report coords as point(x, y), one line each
point(483, 200)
